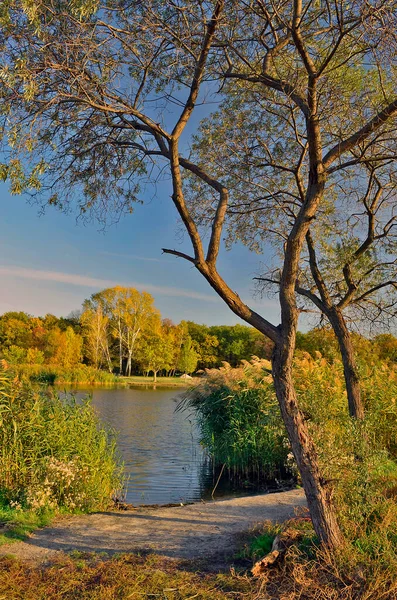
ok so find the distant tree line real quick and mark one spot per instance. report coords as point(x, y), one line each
point(120, 330)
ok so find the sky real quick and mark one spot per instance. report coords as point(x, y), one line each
point(50, 263)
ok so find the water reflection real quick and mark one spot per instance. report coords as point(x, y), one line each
point(163, 459)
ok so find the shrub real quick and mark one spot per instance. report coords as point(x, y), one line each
point(54, 452)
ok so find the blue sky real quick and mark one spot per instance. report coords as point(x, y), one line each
point(51, 263)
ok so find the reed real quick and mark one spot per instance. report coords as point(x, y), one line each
point(56, 375)
point(54, 453)
point(240, 422)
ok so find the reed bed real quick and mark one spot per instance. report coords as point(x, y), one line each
point(240, 422)
point(55, 375)
point(54, 453)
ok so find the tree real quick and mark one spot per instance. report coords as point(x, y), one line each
point(15, 354)
point(68, 348)
point(206, 344)
point(188, 357)
point(96, 332)
point(156, 351)
point(130, 314)
point(386, 345)
point(85, 94)
point(177, 333)
point(15, 330)
point(352, 272)
point(34, 357)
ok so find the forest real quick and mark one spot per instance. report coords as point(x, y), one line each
point(120, 331)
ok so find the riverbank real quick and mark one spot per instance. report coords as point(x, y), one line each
point(204, 551)
point(166, 382)
point(193, 532)
point(83, 375)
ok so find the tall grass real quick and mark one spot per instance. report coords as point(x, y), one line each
point(55, 375)
point(359, 459)
point(54, 453)
point(240, 422)
point(241, 426)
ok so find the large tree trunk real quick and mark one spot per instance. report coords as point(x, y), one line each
point(318, 495)
point(353, 388)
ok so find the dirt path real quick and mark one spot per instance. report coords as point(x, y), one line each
point(187, 532)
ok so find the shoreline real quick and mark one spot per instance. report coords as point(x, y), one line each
point(193, 531)
point(124, 384)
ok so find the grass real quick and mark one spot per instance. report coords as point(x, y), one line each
point(55, 375)
point(86, 375)
point(240, 422)
point(54, 455)
point(16, 525)
point(161, 381)
point(134, 577)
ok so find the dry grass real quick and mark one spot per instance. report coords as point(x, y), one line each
point(308, 572)
point(305, 573)
point(87, 577)
point(325, 578)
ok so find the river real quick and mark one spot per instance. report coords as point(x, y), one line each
point(163, 460)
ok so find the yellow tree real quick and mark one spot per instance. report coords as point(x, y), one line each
point(130, 315)
point(96, 331)
point(68, 350)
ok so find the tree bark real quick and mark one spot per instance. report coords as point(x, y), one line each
point(128, 369)
point(352, 380)
point(318, 495)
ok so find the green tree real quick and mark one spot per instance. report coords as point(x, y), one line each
point(15, 330)
point(321, 340)
point(188, 357)
point(206, 344)
point(156, 351)
point(386, 346)
point(15, 355)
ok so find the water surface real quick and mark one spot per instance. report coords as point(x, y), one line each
point(160, 448)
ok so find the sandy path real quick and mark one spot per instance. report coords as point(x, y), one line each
point(188, 532)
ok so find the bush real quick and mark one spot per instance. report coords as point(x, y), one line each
point(54, 453)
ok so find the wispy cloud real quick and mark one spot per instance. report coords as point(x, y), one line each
point(93, 282)
point(134, 257)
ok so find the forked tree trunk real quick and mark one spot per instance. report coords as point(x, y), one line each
point(352, 380)
point(318, 495)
